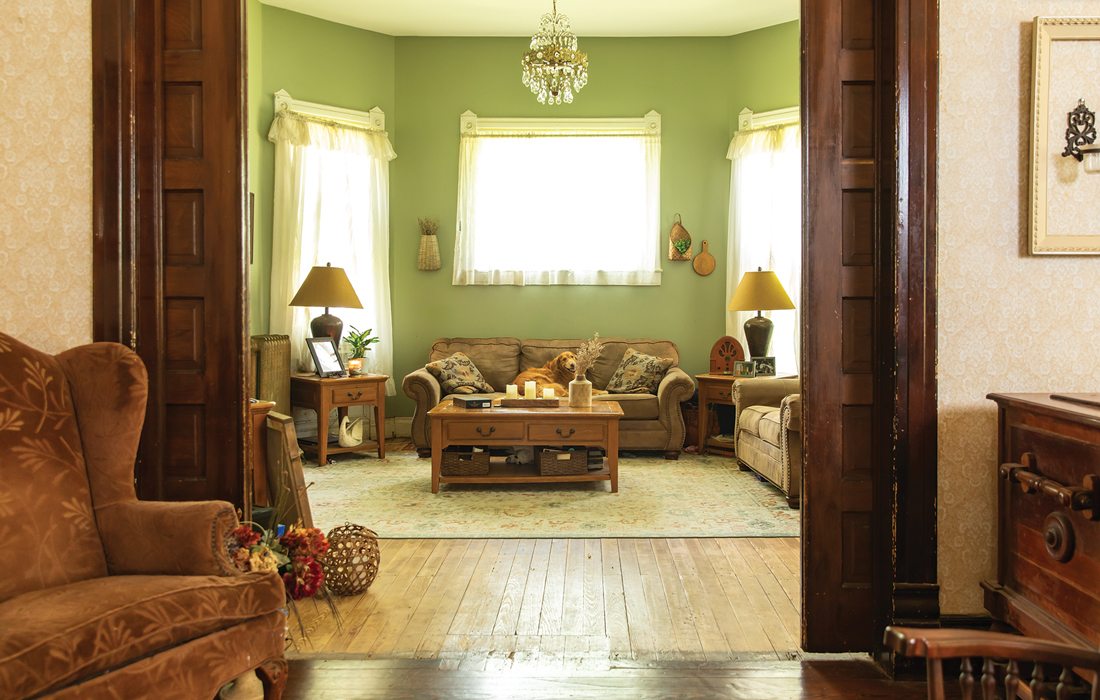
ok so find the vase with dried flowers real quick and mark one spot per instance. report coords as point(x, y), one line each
point(428, 256)
point(580, 389)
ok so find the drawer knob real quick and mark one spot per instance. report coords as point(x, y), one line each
point(563, 434)
point(1058, 537)
point(355, 395)
point(482, 432)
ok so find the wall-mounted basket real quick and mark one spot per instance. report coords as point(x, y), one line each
point(427, 257)
point(679, 242)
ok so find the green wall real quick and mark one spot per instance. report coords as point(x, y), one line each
point(316, 61)
point(697, 84)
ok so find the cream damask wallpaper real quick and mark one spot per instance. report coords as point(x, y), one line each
point(46, 171)
point(1007, 321)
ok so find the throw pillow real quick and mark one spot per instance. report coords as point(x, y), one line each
point(638, 373)
point(458, 374)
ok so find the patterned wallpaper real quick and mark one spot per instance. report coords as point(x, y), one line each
point(45, 172)
point(1007, 321)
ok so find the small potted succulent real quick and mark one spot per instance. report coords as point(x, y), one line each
point(359, 342)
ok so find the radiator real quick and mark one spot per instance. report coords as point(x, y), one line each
point(271, 370)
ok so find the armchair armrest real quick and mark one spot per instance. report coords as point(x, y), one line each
point(763, 391)
point(424, 389)
point(790, 413)
point(162, 538)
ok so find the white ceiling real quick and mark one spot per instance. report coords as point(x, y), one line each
point(521, 17)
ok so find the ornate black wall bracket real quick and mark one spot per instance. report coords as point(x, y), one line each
point(1080, 130)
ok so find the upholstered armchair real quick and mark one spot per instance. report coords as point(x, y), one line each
point(104, 595)
point(768, 437)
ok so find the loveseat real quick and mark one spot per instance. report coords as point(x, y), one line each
point(768, 437)
point(105, 596)
point(651, 422)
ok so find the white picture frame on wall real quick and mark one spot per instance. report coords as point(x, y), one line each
point(1062, 195)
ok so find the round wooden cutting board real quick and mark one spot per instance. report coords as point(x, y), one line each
point(704, 262)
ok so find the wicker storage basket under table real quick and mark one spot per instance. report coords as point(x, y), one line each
point(464, 463)
point(352, 559)
point(550, 463)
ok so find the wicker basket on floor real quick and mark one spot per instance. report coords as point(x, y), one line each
point(352, 560)
point(464, 463)
point(553, 462)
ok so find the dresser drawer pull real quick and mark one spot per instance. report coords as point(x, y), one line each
point(1084, 499)
point(483, 433)
point(561, 433)
point(356, 395)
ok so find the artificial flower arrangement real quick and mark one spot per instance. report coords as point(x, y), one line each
point(294, 553)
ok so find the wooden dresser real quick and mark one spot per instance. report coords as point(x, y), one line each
point(1048, 557)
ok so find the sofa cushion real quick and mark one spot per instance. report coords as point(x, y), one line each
point(59, 635)
point(458, 374)
point(49, 531)
point(635, 406)
point(638, 373)
point(762, 421)
point(497, 358)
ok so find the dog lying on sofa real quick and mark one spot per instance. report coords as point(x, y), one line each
point(555, 374)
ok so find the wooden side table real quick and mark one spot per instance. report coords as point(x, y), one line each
point(322, 394)
point(713, 388)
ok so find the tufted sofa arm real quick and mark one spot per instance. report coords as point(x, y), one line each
point(790, 413)
point(163, 538)
point(424, 389)
point(676, 387)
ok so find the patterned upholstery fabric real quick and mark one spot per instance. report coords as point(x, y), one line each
point(458, 374)
point(61, 634)
point(69, 432)
point(49, 532)
point(638, 373)
point(497, 358)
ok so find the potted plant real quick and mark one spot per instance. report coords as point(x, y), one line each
point(359, 342)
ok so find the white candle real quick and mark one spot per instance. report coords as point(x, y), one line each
point(511, 391)
point(528, 390)
point(548, 392)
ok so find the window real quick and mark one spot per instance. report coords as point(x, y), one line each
point(559, 201)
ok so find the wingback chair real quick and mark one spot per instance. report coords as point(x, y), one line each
point(102, 595)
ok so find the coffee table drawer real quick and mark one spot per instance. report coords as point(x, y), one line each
point(566, 431)
point(484, 431)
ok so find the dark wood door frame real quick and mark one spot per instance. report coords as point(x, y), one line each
point(869, 506)
point(900, 553)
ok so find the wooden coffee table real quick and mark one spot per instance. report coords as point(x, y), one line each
point(597, 426)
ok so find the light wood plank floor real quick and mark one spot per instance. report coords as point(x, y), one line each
point(569, 603)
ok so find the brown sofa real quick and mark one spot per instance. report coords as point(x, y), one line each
point(651, 422)
point(768, 438)
point(105, 596)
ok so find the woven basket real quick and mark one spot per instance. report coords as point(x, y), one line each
point(352, 559)
point(550, 463)
point(428, 256)
point(678, 233)
point(464, 463)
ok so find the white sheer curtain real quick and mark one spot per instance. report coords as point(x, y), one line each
point(331, 206)
point(559, 206)
point(765, 228)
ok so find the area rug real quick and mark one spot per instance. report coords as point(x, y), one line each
point(695, 496)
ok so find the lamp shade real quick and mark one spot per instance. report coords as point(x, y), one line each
point(327, 286)
point(759, 291)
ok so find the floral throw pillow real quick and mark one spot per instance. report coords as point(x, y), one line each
point(638, 373)
point(458, 374)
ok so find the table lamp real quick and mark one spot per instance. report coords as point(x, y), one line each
point(327, 286)
point(759, 291)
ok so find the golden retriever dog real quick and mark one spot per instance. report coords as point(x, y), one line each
point(555, 374)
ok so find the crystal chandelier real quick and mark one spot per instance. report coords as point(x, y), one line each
point(553, 68)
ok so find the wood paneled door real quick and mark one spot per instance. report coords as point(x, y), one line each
point(869, 413)
point(170, 250)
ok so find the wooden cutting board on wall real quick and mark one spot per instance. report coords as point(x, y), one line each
point(704, 261)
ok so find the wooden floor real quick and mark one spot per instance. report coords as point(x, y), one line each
point(569, 604)
point(341, 679)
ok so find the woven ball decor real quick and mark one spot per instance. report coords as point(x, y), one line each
point(351, 562)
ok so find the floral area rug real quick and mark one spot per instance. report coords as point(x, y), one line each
point(695, 496)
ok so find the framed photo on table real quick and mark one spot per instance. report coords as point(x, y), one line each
point(745, 369)
point(325, 358)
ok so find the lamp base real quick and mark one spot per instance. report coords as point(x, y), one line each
point(758, 333)
point(327, 324)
